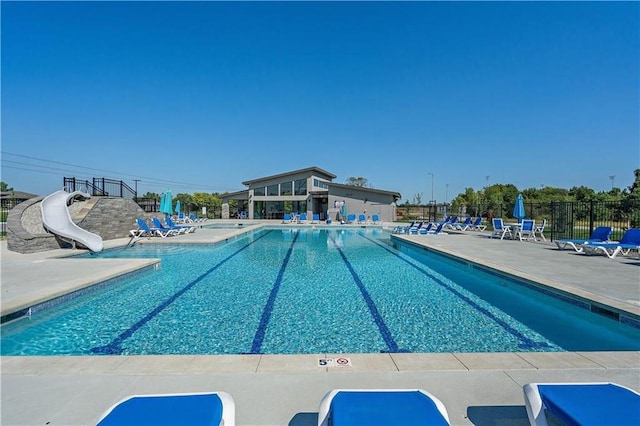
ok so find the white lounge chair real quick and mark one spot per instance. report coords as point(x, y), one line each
point(477, 225)
point(599, 235)
point(381, 407)
point(581, 404)
point(212, 408)
point(630, 241)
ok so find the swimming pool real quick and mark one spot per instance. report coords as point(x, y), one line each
point(304, 290)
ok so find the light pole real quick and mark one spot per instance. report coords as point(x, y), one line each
point(446, 198)
point(432, 201)
point(136, 182)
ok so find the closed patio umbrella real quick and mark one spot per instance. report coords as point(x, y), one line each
point(166, 206)
point(178, 207)
point(518, 208)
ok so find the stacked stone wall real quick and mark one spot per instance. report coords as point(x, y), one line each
point(108, 217)
point(111, 217)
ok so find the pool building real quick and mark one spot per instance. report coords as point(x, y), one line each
point(311, 191)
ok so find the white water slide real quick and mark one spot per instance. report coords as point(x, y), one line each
point(57, 219)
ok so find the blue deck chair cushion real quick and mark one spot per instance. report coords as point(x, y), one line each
point(385, 408)
point(591, 403)
point(191, 409)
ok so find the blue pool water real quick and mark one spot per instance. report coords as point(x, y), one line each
point(282, 291)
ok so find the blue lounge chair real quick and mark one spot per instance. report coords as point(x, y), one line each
point(599, 235)
point(315, 218)
point(426, 229)
point(452, 223)
point(381, 407)
point(302, 218)
point(148, 231)
point(362, 219)
point(172, 225)
point(477, 225)
point(463, 226)
point(416, 229)
point(630, 241)
point(400, 229)
point(429, 231)
point(581, 404)
point(375, 218)
point(286, 218)
point(194, 218)
point(351, 218)
point(214, 408)
point(160, 225)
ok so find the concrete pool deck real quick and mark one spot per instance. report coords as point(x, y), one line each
point(480, 389)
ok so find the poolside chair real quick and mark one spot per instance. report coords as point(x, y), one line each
point(351, 218)
point(212, 408)
point(452, 223)
point(194, 218)
point(375, 218)
point(403, 229)
point(160, 225)
point(581, 404)
point(416, 229)
point(630, 240)
point(286, 218)
point(302, 218)
point(187, 228)
point(148, 231)
point(425, 230)
point(539, 229)
point(599, 235)
point(381, 407)
point(477, 225)
point(315, 218)
point(439, 230)
point(463, 226)
point(526, 230)
point(499, 230)
point(362, 219)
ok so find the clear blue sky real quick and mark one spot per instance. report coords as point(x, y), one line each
point(201, 96)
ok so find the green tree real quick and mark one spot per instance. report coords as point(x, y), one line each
point(417, 199)
point(358, 181)
point(582, 193)
point(4, 187)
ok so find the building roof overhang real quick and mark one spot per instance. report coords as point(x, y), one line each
point(314, 170)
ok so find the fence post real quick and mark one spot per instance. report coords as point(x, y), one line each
point(591, 216)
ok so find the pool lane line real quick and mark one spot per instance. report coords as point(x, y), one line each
point(392, 346)
point(115, 347)
point(258, 339)
point(525, 342)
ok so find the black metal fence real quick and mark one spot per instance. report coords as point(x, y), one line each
point(100, 187)
point(565, 219)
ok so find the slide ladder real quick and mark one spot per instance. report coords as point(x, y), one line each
point(57, 219)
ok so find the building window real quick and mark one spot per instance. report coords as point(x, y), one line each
point(259, 191)
point(320, 184)
point(301, 187)
point(285, 188)
point(272, 190)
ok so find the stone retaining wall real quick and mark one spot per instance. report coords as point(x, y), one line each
point(108, 217)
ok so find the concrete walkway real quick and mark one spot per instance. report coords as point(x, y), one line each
point(480, 389)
